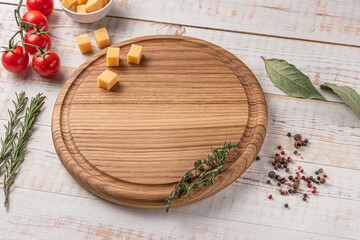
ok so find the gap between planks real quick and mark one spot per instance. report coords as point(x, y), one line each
point(217, 29)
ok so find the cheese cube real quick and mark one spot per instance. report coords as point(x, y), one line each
point(105, 2)
point(84, 44)
point(81, 9)
point(112, 57)
point(94, 5)
point(102, 38)
point(73, 8)
point(107, 79)
point(81, 2)
point(68, 3)
point(135, 53)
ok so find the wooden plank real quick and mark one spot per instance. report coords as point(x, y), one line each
point(335, 21)
point(47, 215)
point(321, 62)
point(324, 151)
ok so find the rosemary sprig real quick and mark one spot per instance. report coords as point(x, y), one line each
point(10, 135)
point(17, 155)
point(215, 161)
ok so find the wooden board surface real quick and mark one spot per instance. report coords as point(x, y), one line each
point(132, 144)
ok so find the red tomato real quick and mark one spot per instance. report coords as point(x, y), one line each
point(37, 18)
point(44, 6)
point(46, 65)
point(40, 40)
point(14, 60)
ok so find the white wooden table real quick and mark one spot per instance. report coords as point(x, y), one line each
point(320, 37)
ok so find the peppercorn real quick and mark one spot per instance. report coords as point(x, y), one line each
point(279, 184)
point(306, 140)
point(296, 178)
point(278, 158)
point(282, 181)
point(276, 176)
point(287, 170)
point(322, 180)
point(276, 154)
point(257, 158)
point(295, 191)
point(290, 177)
point(311, 177)
point(304, 144)
point(317, 172)
point(275, 167)
point(318, 177)
point(279, 147)
point(303, 177)
point(270, 197)
point(286, 205)
point(321, 170)
point(290, 191)
point(282, 152)
point(285, 165)
point(268, 181)
point(305, 195)
point(304, 199)
point(296, 152)
point(317, 182)
point(296, 185)
point(273, 163)
point(297, 137)
point(302, 170)
point(272, 174)
point(297, 144)
point(290, 160)
point(288, 134)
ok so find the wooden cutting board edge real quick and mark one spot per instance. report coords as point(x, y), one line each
point(249, 145)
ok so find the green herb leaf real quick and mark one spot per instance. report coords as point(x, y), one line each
point(290, 79)
point(349, 95)
point(206, 177)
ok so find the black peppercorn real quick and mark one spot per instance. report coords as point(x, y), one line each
point(286, 205)
point(297, 137)
point(279, 147)
point(268, 181)
point(271, 174)
point(290, 177)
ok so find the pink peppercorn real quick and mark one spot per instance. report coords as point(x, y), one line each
point(270, 197)
point(282, 152)
point(314, 191)
point(299, 167)
point(325, 176)
point(309, 185)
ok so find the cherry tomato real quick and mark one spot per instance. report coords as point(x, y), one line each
point(40, 40)
point(37, 18)
point(44, 6)
point(14, 60)
point(46, 65)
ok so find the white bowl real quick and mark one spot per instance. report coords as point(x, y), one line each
point(89, 17)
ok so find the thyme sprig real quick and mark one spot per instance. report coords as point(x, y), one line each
point(17, 154)
point(10, 134)
point(215, 161)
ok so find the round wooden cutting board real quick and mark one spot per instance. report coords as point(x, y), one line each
point(131, 145)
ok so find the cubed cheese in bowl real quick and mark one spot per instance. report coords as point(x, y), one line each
point(86, 11)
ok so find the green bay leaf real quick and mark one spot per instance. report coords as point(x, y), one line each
point(349, 95)
point(290, 79)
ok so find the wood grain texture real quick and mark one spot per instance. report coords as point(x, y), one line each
point(46, 201)
point(335, 21)
point(132, 144)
